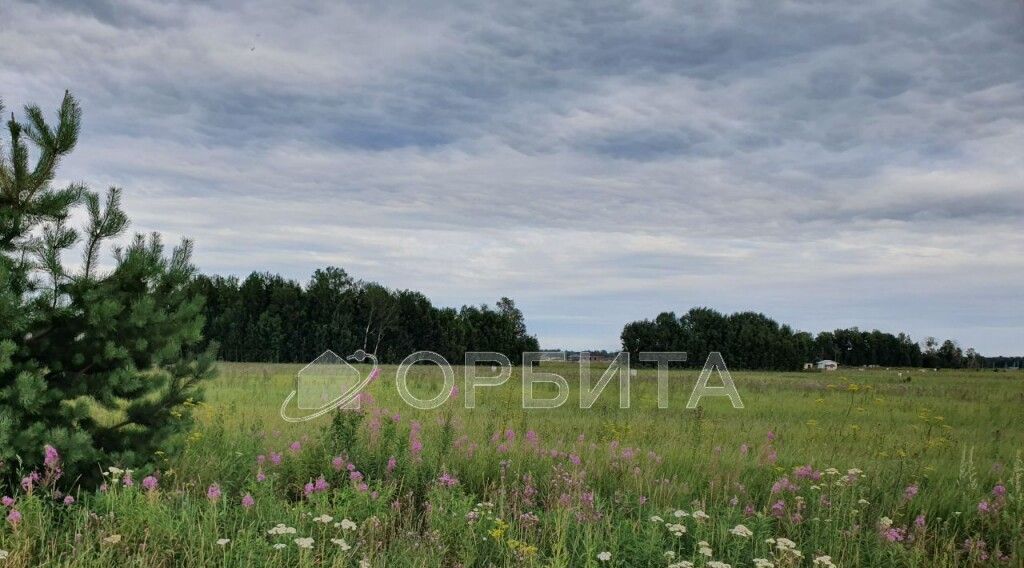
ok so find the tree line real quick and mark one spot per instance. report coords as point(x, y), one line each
point(269, 318)
point(750, 340)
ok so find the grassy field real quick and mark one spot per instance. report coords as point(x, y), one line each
point(849, 468)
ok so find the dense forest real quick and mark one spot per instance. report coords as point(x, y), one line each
point(268, 318)
point(749, 340)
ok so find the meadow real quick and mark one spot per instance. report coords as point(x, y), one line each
point(856, 467)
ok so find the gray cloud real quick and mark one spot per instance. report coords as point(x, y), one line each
point(828, 163)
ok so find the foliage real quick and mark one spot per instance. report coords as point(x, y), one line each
point(266, 317)
point(100, 363)
point(749, 340)
point(908, 477)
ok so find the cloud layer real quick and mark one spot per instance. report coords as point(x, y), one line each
point(828, 163)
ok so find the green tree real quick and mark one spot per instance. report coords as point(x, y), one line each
point(99, 363)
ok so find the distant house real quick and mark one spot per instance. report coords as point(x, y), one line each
point(827, 365)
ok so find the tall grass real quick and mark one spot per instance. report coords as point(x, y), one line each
point(856, 468)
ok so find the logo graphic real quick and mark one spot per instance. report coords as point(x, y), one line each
point(329, 382)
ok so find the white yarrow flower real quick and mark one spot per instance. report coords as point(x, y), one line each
point(604, 556)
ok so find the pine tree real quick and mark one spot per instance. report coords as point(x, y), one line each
point(100, 363)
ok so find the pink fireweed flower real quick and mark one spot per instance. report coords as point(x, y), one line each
point(103, 487)
point(447, 480)
point(321, 484)
point(260, 476)
point(51, 458)
point(7, 501)
point(338, 463)
point(772, 456)
point(149, 483)
point(894, 534)
point(784, 484)
point(213, 493)
point(416, 447)
point(275, 458)
point(807, 472)
point(910, 492)
point(261, 459)
point(744, 449)
point(295, 448)
point(355, 476)
point(999, 491)
point(532, 437)
point(510, 435)
point(778, 508)
point(248, 501)
point(392, 464)
point(984, 507)
point(307, 489)
point(919, 522)
point(770, 435)
point(14, 517)
point(127, 480)
point(362, 487)
point(69, 500)
point(575, 459)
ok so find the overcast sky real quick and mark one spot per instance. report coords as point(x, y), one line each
point(830, 164)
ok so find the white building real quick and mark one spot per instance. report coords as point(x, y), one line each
point(827, 365)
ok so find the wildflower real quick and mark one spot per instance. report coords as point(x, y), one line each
point(296, 447)
point(999, 491)
point(340, 543)
point(447, 480)
point(149, 483)
point(275, 458)
point(14, 517)
point(679, 514)
point(338, 463)
point(718, 564)
point(677, 529)
point(657, 519)
point(863, 502)
point(69, 500)
point(248, 501)
point(213, 493)
point(280, 528)
point(604, 556)
point(984, 507)
point(323, 519)
point(347, 525)
point(50, 456)
point(919, 522)
point(884, 523)
point(704, 548)
point(824, 561)
point(112, 539)
point(763, 563)
point(681, 564)
point(304, 542)
point(223, 541)
point(742, 531)
point(894, 534)
point(4, 554)
point(7, 501)
point(699, 515)
point(279, 546)
point(910, 492)
point(392, 464)
point(260, 476)
point(128, 481)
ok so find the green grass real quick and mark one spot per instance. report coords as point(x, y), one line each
point(582, 482)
